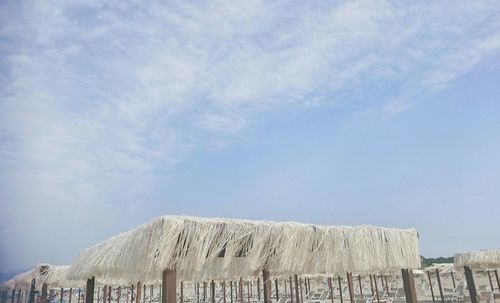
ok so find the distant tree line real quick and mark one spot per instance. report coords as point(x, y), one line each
point(428, 261)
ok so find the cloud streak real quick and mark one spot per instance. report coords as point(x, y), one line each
point(96, 96)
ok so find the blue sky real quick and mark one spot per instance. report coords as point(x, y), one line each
point(338, 113)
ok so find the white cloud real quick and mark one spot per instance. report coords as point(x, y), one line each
point(96, 95)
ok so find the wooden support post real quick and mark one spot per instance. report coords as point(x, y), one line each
point(297, 291)
point(44, 293)
point(491, 281)
point(430, 284)
point(291, 289)
point(440, 286)
point(182, 291)
point(212, 291)
point(276, 289)
point(169, 286)
point(330, 285)
point(62, 294)
point(205, 292)
point(453, 280)
point(351, 289)
point(70, 294)
point(267, 286)
point(104, 291)
point(409, 286)
point(118, 294)
point(360, 286)
point(132, 295)
point(241, 290)
point(340, 290)
point(143, 293)
point(371, 285)
point(301, 295)
point(498, 280)
point(231, 291)
point(223, 291)
point(286, 290)
point(249, 292)
point(197, 290)
point(386, 284)
point(470, 284)
point(151, 293)
point(79, 294)
point(32, 292)
point(89, 291)
point(258, 289)
point(14, 294)
point(137, 295)
point(376, 288)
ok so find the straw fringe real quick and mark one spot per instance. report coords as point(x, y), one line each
point(480, 260)
point(204, 249)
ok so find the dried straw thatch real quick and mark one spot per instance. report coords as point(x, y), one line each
point(479, 260)
point(52, 275)
point(202, 249)
point(444, 268)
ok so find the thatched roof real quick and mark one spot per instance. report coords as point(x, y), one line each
point(479, 260)
point(444, 268)
point(52, 275)
point(202, 249)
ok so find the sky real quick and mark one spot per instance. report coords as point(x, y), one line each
point(328, 112)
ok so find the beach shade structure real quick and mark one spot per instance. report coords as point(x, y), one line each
point(44, 276)
point(206, 249)
point(488, 261)
point(440, 269)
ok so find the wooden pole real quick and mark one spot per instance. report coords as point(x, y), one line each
point(291, 289)
point(350, 286)
point(205, 292)
point(212, 291)
point(498, 280)
point(258, 289)
point(371, 285)
point(440, 286)
point(44, 293)
point(241, 290)
point(62, 294)
point(491, 281)
point(14, 295)
point(470, 284)
point(138, 294)
point(360, 285)
point(231, 291)
point(151, 293)
point(340, 290)
point(409, 286)
point(386, 284)
point(453, 280)
point(430, 284)
point(248, 292)
point(197, 289)
point(70, 294)
point(301, 295)
point(376, 287)
point(169, 286)
point(276, 289)
point(32, 292)
point(118, 294)
point(297, 291)
point(330, 284)
point(79, 294)
point(89, 291)
point(267, 286)
point(143, 293)
point(182, 291)
point(223, 291)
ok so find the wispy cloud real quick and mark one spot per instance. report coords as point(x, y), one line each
point(95, 95)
